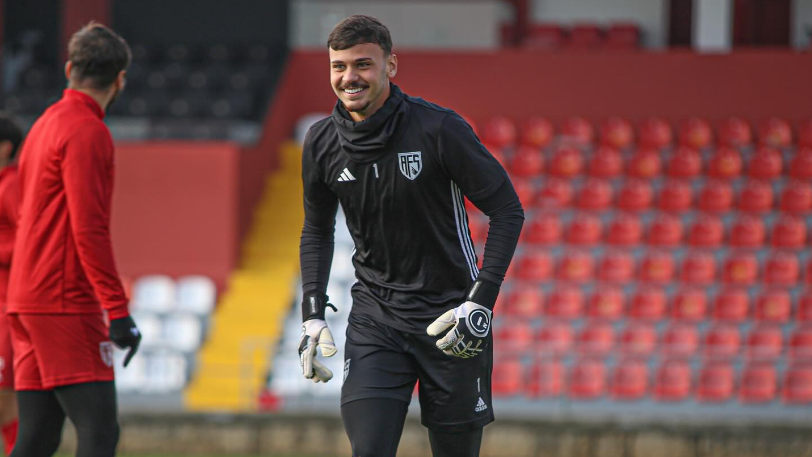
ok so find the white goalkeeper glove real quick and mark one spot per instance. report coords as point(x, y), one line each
point(471, 325)
point(315, 333)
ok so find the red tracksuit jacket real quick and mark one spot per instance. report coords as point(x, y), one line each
point(63, 255)
point(9, 210)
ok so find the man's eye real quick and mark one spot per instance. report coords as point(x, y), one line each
point(338, 67)
point(363, 65)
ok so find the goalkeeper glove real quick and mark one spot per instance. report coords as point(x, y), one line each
point(470, 323)
point(124, 334)
point(315, 334)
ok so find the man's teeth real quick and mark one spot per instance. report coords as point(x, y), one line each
point(353, 91)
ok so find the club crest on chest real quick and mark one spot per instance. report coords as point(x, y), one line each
point(410, 164)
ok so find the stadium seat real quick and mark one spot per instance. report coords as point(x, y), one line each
point(707, 231)
point(554, 338)
point(756, 197)
point(716, 197)
point(535, 265)
point(782, 269)
point(716, 382)
point(644, 164)
point(698, 267)
point(545, 36)
point(555, 193)
point(525, 190)
point(675, 196)
point(624, 230)
point(635, 195)
point(154, 293)
point(804, 314)
point(478, 226)
point(537, 132)
point(695, 133)
point(747, 232)
point(800, 167)
point(575, 266)
point(587, 380)
point(616, 267)
point(679, 340)
point(567, 162)
point(183, 332)
point(805, 133)
point(617, 133)
point(797, 385)
point(584, 36)
point(774, 306)
point(800, 343)
point(196, 294)
point(665, 231)
point(151, 328)
point(689, 305)
point(735, 132)
point(594, 195)
point(508, 378)
point(765, 342)
point(740, 268)
point(758, 384)
point(647, 303)
point(500, 132)
point(673, 381)
point(605, 163)
point(524, 302)
point(584, 229)
point(564, 302)
point(638, 340)
point(775, 132)
point(765, 164)
point(546, 379)
point(789, 232)
point(622, 37)
point(685, 163)
point(731, 305)
point(726, 163)
point(596, 339)
point(630, 380)
point(577, 131)
point(544, 228)
point(656, 267)
point(513, 336)
point(606, 303)
point(655, 133)
point(527, 162)
point(796, 197)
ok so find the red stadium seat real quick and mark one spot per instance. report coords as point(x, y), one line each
point(606, 303)
point(675, 196)
point(513, 336)
point(698, 267)
point(747, 232)
point(756, 197)
point(773, 306)
point(741, 268)
point(707, 232)
point(789, 232)
point(716, 197)
point(731, 305)
point(544, 228)
point(648, 303)
point(617, 133)
point(524, 302)
point(800, 167)
point(722, 341)
point(800, 343)
point(555, 193)
point(673, 381)
point(657, 267)
point(805, 133)
point(596, 339)
point(680, 340)
point(797, 197)
point(638, 340)
point(759, 383)
point(616, 267)
point(535, 265)
point(594, 195)
point(782, 269)
point(606, 162)
point(716, 382)
point(635, 195)
point(537, 132)
point(508, 378)
point(587, 379)
point(695, 133)
point(575, 266)
point(554, 338)
point(622, 36)
point(685, 163)
point(735, 132)
point(644, 164)
point(585, 36)
point(775, 132)
point(665, 230)
point(577, 131)
point(500, 132)
point(809, 271)
point(478, 227)
point(545, 36)
point(567, 162)
point(625, 230)
point(546, 379)
point(630, 380)
point(766, 163)
point(585, 229)
point(527, 162)
point(726, 163)
point(689, 305)
point(765, 342)
point(655, 133)
point(565, 302)
point(797, 386)
point(526, 191)
point(804, 314)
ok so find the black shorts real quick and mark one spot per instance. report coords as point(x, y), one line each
point(382, 362)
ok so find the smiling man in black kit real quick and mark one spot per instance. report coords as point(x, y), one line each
point(400, 168)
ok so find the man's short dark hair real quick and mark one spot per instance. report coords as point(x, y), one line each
point(10, 131)
point(360, 29)
point(98, 55)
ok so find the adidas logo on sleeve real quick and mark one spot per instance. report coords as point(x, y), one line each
point(346, 176)
point(480, 406)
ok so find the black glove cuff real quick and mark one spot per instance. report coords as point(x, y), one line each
point(314, 306)
point(484, 293)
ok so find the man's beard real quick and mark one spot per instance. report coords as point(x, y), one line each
point(113, 98)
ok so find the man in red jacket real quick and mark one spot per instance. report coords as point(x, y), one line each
point(11, 135)
point(63, 274)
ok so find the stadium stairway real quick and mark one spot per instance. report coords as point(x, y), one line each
point(246, 326)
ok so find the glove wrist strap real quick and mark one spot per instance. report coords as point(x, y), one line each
point(314, 306)
point(484, 293)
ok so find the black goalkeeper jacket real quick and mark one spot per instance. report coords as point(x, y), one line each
point(400, 177)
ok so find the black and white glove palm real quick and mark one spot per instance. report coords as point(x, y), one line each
point(470, 326)
point(316, 334)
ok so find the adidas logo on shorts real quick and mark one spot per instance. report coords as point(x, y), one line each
point(480, 406)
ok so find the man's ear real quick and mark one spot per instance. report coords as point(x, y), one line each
point(392, 66)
